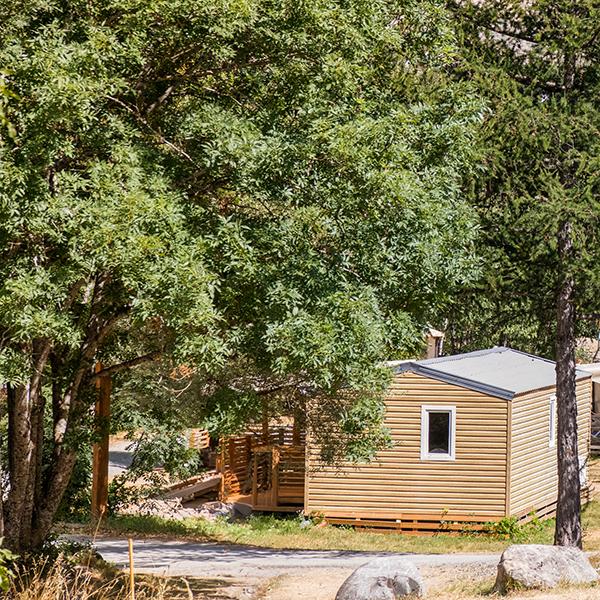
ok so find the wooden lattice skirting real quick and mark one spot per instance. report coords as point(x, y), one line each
point(430, 525)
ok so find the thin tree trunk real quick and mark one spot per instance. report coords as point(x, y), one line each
point(60, 478)
point(32, 496)
point(25, 424)
point(1, 503)
point(568, 511)
point(20, 454)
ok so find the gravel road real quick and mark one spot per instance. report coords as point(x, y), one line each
point(196, 559)
point(120, 455)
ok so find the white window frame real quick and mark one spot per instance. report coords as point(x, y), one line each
point(430, 408)
point(552, 422)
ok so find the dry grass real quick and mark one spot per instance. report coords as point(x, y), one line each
point(58, 580)
point(62, 579)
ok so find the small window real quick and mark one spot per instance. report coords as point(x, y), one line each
point(438, 428)
point(552, 430)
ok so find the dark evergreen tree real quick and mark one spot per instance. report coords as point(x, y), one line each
point(537, 64)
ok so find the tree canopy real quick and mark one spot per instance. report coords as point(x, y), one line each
point(267, 194)
point(536, 67)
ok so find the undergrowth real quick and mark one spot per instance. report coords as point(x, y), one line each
point(84, 576)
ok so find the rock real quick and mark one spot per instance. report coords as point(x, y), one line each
point(387, 578)
point(157, 507)
point(536, 566)
point(241, 510)
point(173, 508)
point(211, 511)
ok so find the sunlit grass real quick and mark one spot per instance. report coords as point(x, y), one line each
point(296, 533)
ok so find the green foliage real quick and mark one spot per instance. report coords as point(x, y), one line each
point(322, 193)
point(539, 153)
point(6, 573)
point(318, 150)
point(360, 430)
point(267, 194)
point(167, 448)
point(76, 503)
point(532, 532)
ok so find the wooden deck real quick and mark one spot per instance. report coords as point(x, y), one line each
point(264, 471)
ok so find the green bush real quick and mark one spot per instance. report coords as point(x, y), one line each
point(6, 573)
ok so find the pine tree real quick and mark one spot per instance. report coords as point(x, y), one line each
point(537, 64)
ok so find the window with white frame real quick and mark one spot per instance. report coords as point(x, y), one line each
point(438, 432)
point(552, 428)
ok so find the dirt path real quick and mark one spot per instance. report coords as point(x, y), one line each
point(466, 582)
point(252, 573)
point(323, 584)
point(204, 559)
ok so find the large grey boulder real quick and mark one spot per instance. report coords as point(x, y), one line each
point(386, 578)
point(535, 566)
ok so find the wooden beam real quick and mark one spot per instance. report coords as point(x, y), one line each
point(255, 480)
point(275, 456)
point(265, 422)
point(100, 450)
point(296, 435)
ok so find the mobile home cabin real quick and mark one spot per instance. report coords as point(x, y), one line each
point(474, 440)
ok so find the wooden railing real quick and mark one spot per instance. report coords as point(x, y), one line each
point(595, 441)
point(198, 438)
point(277, 476)
point(270, 471)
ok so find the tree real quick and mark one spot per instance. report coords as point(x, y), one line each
point(334, 188)
point(537, 64)
point(264, 195)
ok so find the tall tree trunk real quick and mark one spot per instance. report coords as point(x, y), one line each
point(568, 511)
point(25, 436)
point(20, 455)
point(1, 506)
point(32, 495)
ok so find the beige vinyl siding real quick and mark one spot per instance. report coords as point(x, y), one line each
point(533, 472)
point(398, 484)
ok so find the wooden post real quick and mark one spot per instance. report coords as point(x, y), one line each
point(100, 451)
point(265, 423)
point(131, 571)
point(221, 468)
point(296, 436)
point(255, 480)
point(275, 476)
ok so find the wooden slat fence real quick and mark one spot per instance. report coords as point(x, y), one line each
point(270, 468)
point(198, 438)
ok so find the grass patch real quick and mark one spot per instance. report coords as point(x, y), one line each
point(294, 532)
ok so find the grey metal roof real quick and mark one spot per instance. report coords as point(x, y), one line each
point(500, 372)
